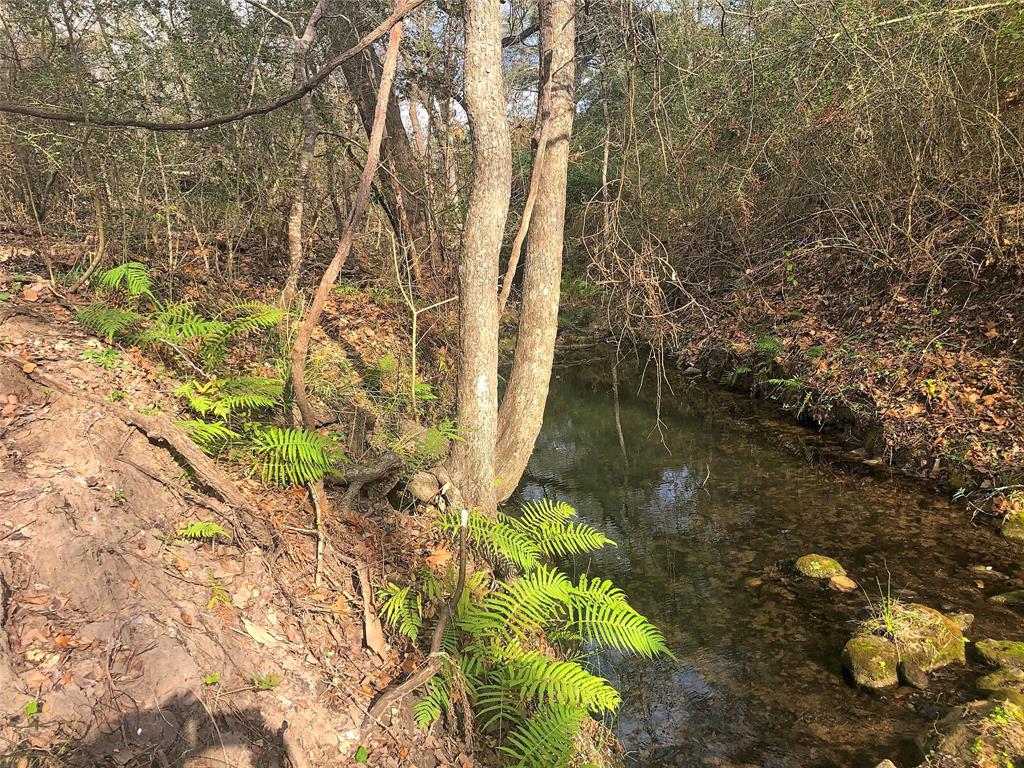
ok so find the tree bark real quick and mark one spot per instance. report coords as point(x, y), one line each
point(522, 408)
point(404, 189)
point(300, 48)
point(472, 461)
point(301, 347)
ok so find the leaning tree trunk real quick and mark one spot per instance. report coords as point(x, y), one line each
point(404, 188)
point(472, 461)
point(522, 408)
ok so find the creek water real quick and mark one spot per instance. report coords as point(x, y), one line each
point(709, 512)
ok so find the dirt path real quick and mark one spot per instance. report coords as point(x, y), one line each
point(123, 644)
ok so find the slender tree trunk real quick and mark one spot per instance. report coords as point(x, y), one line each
point(358, 209)
point(404, 189)
point(472, 461)
point(309, 131)
point(522, 409)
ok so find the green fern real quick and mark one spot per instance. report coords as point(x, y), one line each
point(179, 325)
point(543, 679)
point(228, 397)
point(768, 346)
point(131, 277)
point(434, 702)
point(212, 438)
point(235, 322)
point(546, 739)
point(402, 607)
point(202, 529)
point(107, 321)
point(285, 457)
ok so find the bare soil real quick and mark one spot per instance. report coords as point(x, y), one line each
point(121, 643)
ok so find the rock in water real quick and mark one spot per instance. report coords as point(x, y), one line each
point(819, 567)
point(842, 583)
point(1002, 653)
point(1016, 597)
point(913, 676)
point(926, 638)
point(871, 661)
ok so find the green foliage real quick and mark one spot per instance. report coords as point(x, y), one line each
point(211, 437)
point(229, 397)
point(402, 608)
point(290, 456)
point(768, 347)
point(105, 358)
point(131, 278)
point(544, 528)
point(546, 739)
point(107, 321)
point(509, 647)
point(202, 529)
point(266, 682)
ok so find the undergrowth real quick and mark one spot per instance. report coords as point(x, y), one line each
point(517, 653)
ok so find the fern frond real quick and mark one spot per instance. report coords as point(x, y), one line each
point(434, 702)
point(290, 456)
point(402, 607)
point(519, 608)
point(546, 739)
point(235, 322)
point(132, 277)
point(553, 681)
point(178, 324)
point(202, 529)
point(498, 704)
point(226, 397)
point(497, 538)
point(548, 524)
point(212, 438)
point(107, 321)
point(599, 612)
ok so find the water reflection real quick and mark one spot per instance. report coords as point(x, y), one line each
point(708, 512)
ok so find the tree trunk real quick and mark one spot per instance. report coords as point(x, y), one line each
point(472, 461)
point(522, 408)
point(404, 189)
point(300, 47)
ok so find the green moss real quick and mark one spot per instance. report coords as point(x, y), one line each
point(1002, 653)
point(1016, 597)
point(871, 661)
point(819, 567)
point(1013, 526)
point(1003, 679)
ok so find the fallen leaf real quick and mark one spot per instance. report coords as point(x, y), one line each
point(441, 557)
point(260, 635)
point(30, 293)
point(29, 367)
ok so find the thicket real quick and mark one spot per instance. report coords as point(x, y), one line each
point(876, 144)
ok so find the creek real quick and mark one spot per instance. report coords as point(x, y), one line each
point(710, 507)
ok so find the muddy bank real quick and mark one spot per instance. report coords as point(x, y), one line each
point(123, 641)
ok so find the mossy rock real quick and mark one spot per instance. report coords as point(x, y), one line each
point(1016, 597)
point(1003, 679)
point(1013, 526)
point(924, 638)
point(1002, 653)
point(982, 734)
point(819, 567)
point(871, 661)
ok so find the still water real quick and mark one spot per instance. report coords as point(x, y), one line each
point(709, 512)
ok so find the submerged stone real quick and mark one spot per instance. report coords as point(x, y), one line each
point(871, 661)
point(819, 567)
point(1016, 597)
point(1002, 653)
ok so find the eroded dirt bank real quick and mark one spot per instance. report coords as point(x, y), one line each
point(123, 644)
